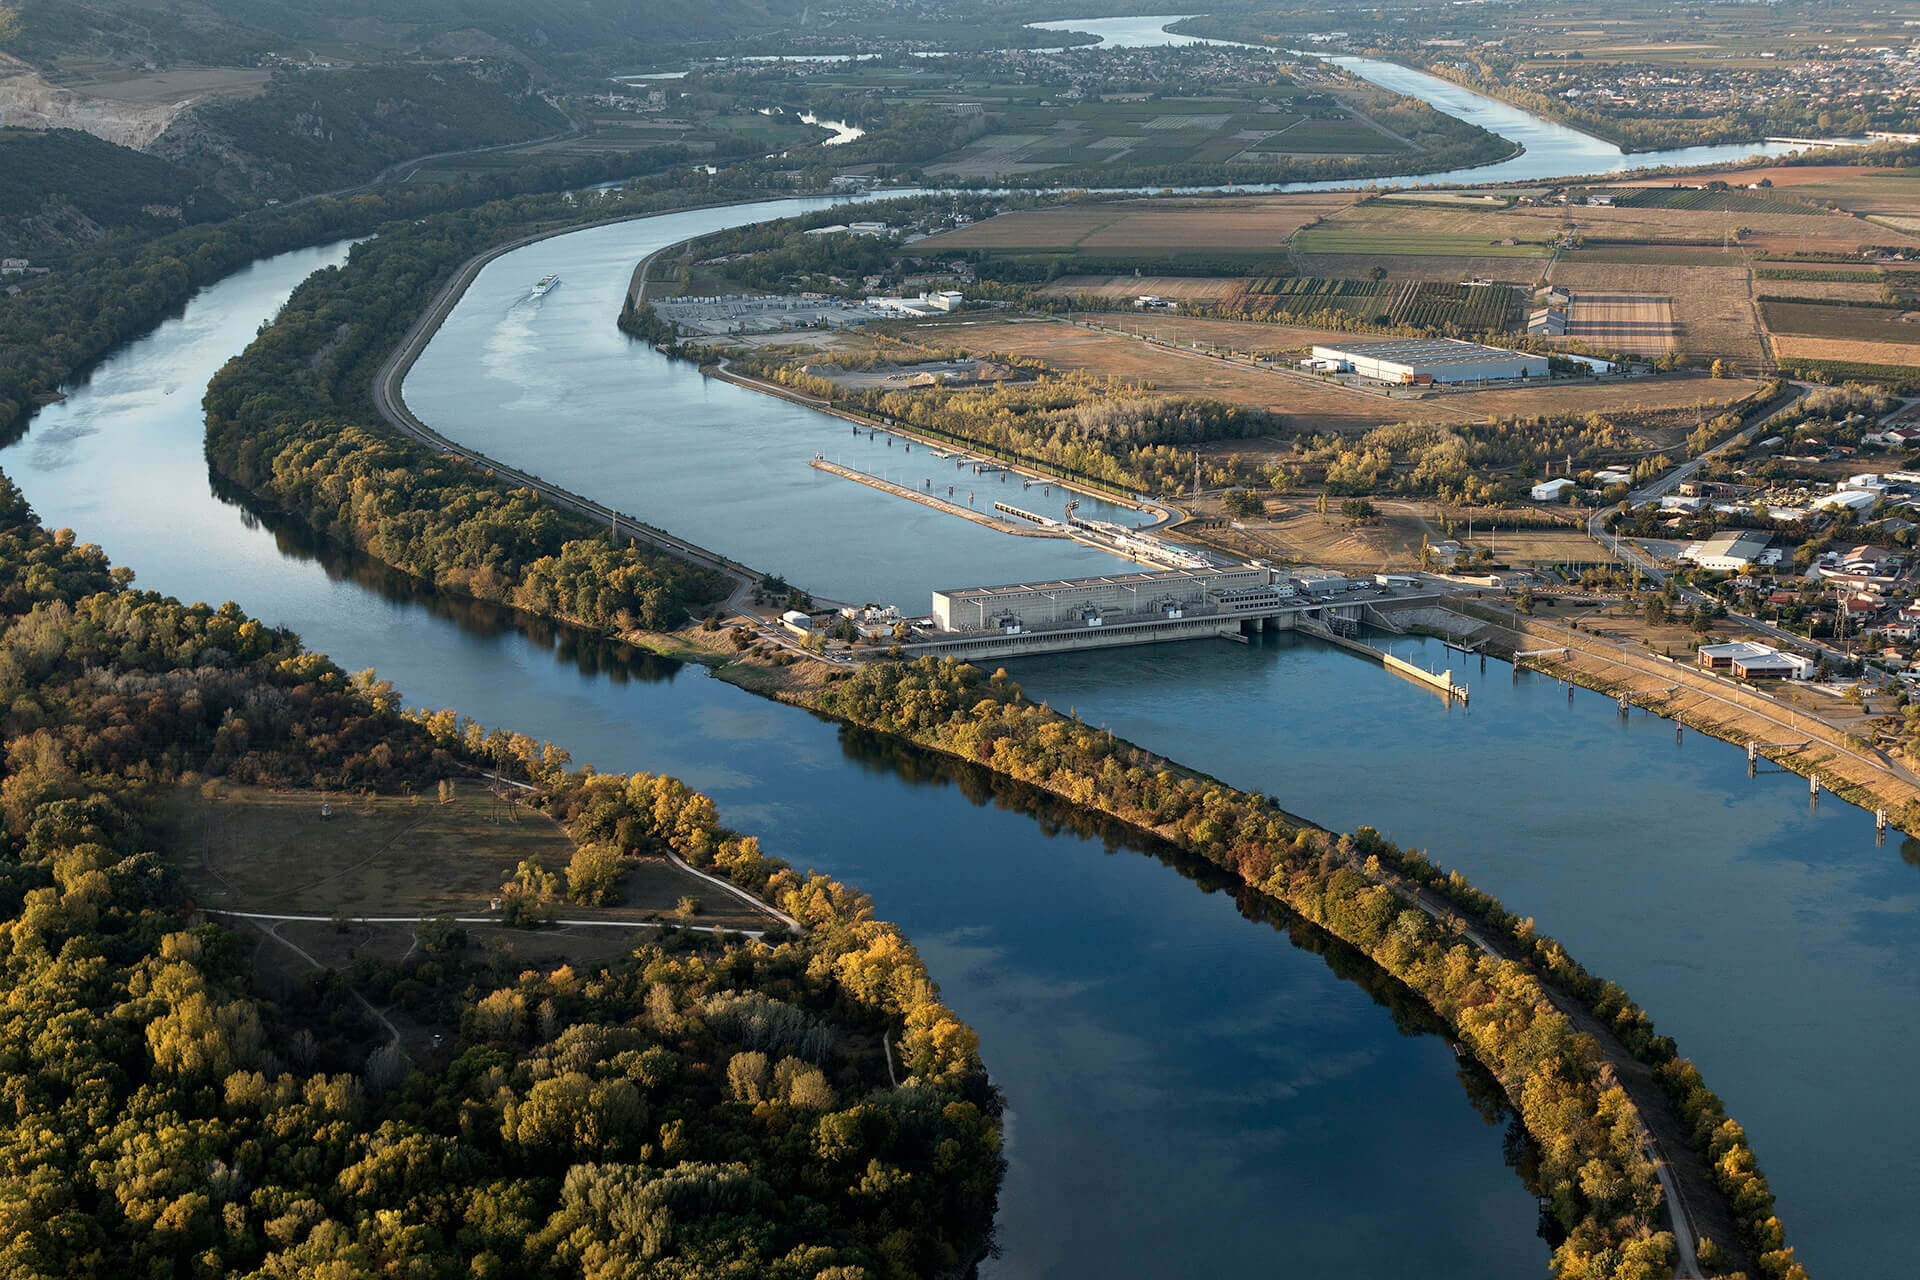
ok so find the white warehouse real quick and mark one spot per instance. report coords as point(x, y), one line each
point(1425, 360)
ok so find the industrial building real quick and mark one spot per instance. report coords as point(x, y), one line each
point(1730, 550)
point(1111, 598)
point(1418, 361)
point(1748, 660)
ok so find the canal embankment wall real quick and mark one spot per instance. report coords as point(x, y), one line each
point(1856, 771)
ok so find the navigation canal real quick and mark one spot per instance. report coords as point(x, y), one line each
point(1189, 1090)
point(550, 385)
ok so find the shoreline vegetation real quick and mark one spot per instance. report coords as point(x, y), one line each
point(1538, 1021)
point(714, 1105)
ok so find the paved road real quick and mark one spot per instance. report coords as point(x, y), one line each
point(257, 916)
point(1666, 484)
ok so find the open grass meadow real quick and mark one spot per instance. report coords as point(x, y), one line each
point(262, 850)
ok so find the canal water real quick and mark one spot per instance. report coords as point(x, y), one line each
point(552, 386)
point(1189, 1088)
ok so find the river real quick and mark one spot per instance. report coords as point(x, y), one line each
point(1552, 150)
point(1772, 943)
point(1187, 1090)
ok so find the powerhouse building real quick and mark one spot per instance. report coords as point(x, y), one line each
point(1423, 360)
point(1111, 598)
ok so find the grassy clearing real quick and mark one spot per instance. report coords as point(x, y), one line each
point(256, 849)
point(1360, 241)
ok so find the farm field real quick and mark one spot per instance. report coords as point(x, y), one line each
point(1306, 403)
point(1472, 308)
point(1294, 531)
point(1712, 306)
point(1180, 288)
point(1785, 175)
point(1166, 131)
point(1825, 290)
point(1439, 268)
point(256, 849)
point(1799, 346)
point(1854, 324)
point(1261, 224)
point(1393, 229)
point(1639, 323)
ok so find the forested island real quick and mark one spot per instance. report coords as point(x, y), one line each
point(701, 1106)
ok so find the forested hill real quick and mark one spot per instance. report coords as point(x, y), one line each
point(699, 1108)
point(65, 189)
point(239, 31)
point(324, 130)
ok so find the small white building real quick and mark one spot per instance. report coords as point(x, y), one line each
point(797, 622)
point(1553, 490)
point(1612, 476)
point(944, 300)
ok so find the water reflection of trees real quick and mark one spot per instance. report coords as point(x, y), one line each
point(589, 653)
point(884, 755)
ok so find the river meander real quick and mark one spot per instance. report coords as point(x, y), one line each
point(1188, 1090)
point(1189, 1093)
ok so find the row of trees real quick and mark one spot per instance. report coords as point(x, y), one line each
point(696, 1109)
point(1503, 1006)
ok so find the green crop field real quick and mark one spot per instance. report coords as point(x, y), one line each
point(1337, 136)
point(1710, 201)
point(1338, 239)
point(1428, 304)
point(1859, 323)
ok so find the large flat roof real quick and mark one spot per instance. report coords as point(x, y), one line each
point(1145, 578)
point(1416, 351)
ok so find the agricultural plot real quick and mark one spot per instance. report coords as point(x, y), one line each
point(1471, 308)
point(1359, 241)
point(1712, 305)
point(1639, 323)
point(1725, 200)
point(1164, 131)
point(1259, 224)
point(1382, 228)
point(1855, 322)
point(1441, 268)
point(1788, 346)
point(1346, 136)
point(1178, 288)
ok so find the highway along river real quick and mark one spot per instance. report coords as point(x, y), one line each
point(1190, 1091)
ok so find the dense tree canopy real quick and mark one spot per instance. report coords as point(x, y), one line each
point(1362, 889)
point(695, 1109)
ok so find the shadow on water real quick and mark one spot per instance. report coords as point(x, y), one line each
point(879, 754)
point(590, 654)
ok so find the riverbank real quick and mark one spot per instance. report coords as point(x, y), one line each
point(1700, 1205)
point(1857, 773)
